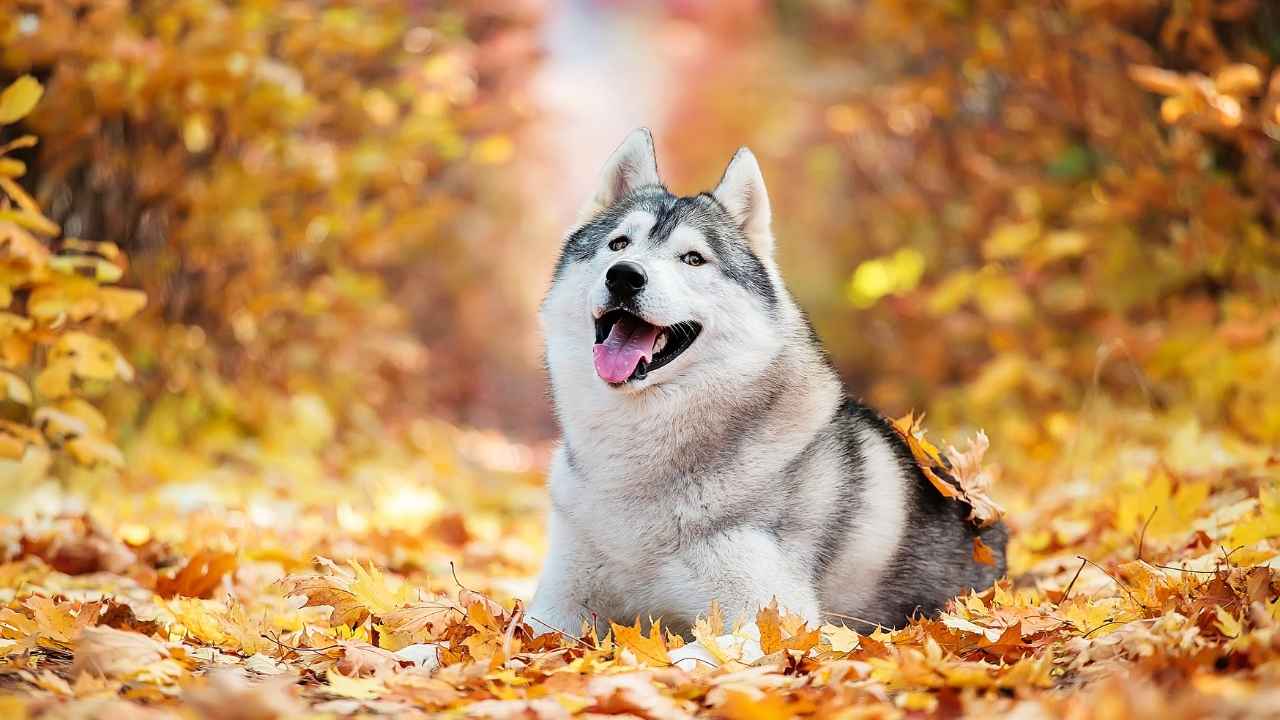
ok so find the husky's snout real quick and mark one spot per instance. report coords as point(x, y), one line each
point(625, 279)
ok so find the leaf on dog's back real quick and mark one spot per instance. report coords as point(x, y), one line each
point(926, 454)
point(955, 474)
point(975, 480)
point(982, 554)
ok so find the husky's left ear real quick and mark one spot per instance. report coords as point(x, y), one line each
point(742, 193)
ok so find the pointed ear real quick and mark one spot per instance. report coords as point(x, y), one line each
point(743, 194)
point(632, 165)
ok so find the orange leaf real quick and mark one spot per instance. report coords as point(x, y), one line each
point(651, 650)
point(199, 577)
point(982, 554)
point(770, 623)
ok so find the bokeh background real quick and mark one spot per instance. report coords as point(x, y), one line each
point(1055, 220)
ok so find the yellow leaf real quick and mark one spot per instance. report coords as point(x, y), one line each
point(120, 304)
point(1158, 80)
point(707, 629)
point(1011, 240)
point(90, 358)
point(493, 150)
point(11, 324)
point(376, 592)
point(23, 141)
point(12, 168)
point(1262, 525)
point(841, 638)
point(14, 388)
point(108, 250)
point(651, 650)
point(95, 450)
point(926, 455)
point(19, 98)
point(1237, 79)
point(1227, 624)
point(62, 621)
point(355, 688)
point(16, 438)
point(79, 298)
point(99, 269)
point(55, 381)
point(30, 217)
point(87, 415)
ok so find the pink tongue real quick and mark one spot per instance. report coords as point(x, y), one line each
point(630, 340)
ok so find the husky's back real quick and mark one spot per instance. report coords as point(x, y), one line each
point(709, 450)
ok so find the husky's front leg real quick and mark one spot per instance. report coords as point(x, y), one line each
point(560, 601)
point(745, 569)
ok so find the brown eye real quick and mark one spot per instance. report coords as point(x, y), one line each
point(693, 258)
point(618, 243)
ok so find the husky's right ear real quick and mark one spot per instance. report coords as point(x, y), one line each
point(632, 165)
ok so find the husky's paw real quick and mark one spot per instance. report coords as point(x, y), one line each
point(423, 655)
point(743, 647)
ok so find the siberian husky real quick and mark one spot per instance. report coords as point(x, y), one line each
point(709, 450)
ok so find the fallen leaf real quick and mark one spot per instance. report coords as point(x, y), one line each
point(115, 653)
point(199, 577)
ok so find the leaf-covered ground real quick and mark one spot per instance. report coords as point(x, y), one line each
point(388, 582)
point(1012, 215)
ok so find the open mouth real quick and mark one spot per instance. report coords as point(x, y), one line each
point(628, 348)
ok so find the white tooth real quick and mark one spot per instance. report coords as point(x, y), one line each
point(660, 343)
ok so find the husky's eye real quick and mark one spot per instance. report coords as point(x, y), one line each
point(618, 243)
point(693, 258)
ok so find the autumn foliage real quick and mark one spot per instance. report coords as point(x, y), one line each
point(240, 247)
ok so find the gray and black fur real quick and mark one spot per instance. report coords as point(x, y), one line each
point(739, 471)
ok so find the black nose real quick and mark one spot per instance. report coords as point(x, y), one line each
point(625, 278)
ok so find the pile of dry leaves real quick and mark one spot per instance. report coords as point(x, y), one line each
point(1152, 589)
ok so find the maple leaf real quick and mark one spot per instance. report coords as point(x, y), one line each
point(421, 622)
point(975, 481)
point(784, 632)
point(360, 659)
point(650, 649)
point(707, 631)
point(50, 623)
point(926, 454)
point(355, 593)
point(956, 474)
point(841, 639)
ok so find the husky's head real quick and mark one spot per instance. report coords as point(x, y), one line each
point(657, 291)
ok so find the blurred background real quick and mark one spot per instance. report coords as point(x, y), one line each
point(1041, 219)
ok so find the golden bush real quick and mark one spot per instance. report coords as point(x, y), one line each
point(53, 302)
